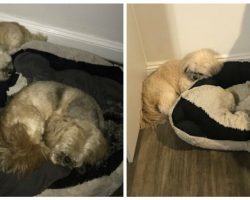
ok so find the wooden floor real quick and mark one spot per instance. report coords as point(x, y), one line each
point(166, 166)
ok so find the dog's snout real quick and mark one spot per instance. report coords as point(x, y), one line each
point(68, 162)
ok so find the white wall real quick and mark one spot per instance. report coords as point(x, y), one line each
point(173, 30)
point(136, 72)
point(101, 23)
point(213, 26)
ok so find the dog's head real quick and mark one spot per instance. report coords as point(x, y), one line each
point(5, 66)
point(201, 64)
point(74, 143)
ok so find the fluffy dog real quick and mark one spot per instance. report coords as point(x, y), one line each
point(12, 36)
point(49, 120)
point(161, 89)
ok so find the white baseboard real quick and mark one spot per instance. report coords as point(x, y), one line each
point(152, 66)
point(103, 47)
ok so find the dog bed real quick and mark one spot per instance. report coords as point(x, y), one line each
point(194, 123)
point(98, 77)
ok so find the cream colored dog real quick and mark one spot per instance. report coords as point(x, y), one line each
point(12, 36)
point(49, 120)
point(162, 88)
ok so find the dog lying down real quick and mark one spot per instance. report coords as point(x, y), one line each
point(51, 121)
point(229, 107)
point(162, 88)
point(12, 36)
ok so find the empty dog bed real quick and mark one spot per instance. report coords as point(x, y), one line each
point(204, 116)
point(96, 76)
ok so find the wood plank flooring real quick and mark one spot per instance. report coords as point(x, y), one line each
point(166, 166)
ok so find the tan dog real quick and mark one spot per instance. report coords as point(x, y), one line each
point(162, 88)
point(49, 120)
point(12, 36)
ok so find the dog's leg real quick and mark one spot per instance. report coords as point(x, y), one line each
point(166, 101)
point(185, 84)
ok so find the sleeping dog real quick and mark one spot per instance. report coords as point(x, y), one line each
point(12, 36)
point(51, 121)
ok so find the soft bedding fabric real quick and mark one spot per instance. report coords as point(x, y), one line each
point(95, 80)
point(241, 93)
point(33, 183)
point(220, 105)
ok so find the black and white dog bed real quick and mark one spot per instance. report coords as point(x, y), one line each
point(98, 77)
point(214, 112)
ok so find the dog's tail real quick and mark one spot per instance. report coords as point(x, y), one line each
point(17, 152)
point(39, 36)
point(150, 115)
point(28, 36)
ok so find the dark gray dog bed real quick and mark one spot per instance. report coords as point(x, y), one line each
point(96, 76)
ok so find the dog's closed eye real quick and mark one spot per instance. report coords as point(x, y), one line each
point(186, 69)
point(194, 75)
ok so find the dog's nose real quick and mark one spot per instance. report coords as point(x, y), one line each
point(195, 77)
point(66, 160)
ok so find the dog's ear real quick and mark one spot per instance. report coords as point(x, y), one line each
point(216, 68)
